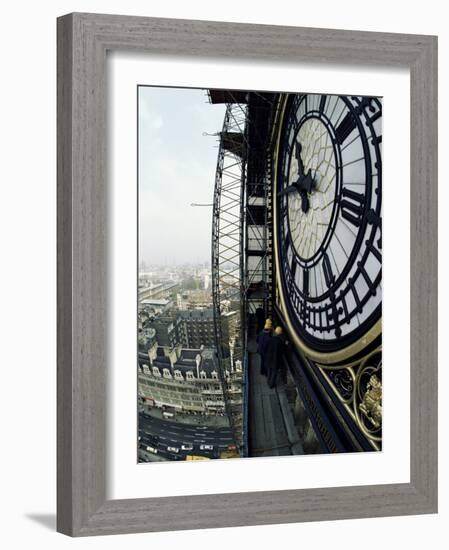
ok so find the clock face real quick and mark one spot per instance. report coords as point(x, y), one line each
point(328, 201)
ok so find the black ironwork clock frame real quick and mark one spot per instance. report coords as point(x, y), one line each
point(329, 310)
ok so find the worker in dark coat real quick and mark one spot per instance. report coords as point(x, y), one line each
point(274, 358)
point(262, 342)
point(260, 319)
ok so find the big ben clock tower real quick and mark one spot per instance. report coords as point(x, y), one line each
point(327, 249)
point(310, 252)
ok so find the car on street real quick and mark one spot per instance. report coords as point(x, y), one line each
point(206, 447)
point(187, 447)
point(152, 450)
point(173, 449)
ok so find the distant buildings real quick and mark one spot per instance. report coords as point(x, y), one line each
point(186, 381)
point(191, 299)
point(199, 326)
point(178, 361)
point(156, 305)
point(147, 339)
point(149, 290)
point(170, 331)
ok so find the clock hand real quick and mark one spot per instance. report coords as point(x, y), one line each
point(306, 182)
point(305, 203)
point(298, 150)
point(295, 187)
point(288, 190)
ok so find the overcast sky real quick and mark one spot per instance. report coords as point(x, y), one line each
point(176, 167)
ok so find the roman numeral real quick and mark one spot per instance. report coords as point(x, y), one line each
point(345, 307)
point(322, 104)
point(320, 326)
point(373, 218)
point(356, 296)
point(370, 284)
point(375, 116)
point(305, 282)
point(304, 313)
point(374, 250)
point(293, 268)
point(332, 315)
point(352, 209)
point(366, 104)
point(327, 270)
point(294, 298)
point(346, 126)
point(290, 286)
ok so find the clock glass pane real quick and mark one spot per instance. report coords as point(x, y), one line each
point(328, 200)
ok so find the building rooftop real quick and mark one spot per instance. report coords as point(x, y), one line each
point(154, 302)
point(189, 354)
point(186, 361)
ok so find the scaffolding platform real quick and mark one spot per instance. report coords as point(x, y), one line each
point(272, 431)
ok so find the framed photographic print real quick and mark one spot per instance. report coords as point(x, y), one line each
point(226, 296)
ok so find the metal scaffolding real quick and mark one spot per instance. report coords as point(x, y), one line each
point(241, 231)
point(258, 205)
point(228, 258)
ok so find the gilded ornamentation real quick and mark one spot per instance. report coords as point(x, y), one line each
point(343, 380)
point(358, 384)
point(368, 396)
point(371, 406)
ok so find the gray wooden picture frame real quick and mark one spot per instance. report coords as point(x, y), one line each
point(83, 40)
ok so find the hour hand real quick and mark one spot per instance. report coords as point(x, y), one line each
point(288, 190)
point(305, 203)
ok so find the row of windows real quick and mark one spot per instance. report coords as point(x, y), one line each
point(170, 387)
point(211, 394)
point(191, 402)
point(178, 376)
point(175, 399)
point(174, 390)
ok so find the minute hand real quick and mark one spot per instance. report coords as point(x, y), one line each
point(302, 184)
point(290, 189)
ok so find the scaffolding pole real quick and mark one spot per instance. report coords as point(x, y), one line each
point(228, 259)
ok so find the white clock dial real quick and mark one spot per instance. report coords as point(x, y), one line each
point(308, 229)
point(329, 210)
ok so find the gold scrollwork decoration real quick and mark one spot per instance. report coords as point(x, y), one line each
point(367, 404)
point(358, 385)
point(371, 405)
point(343, 383)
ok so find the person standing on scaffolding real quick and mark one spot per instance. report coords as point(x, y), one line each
point(263, 339)
point(274, 358)
point(260, 319)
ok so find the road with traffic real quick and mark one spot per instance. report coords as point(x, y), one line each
point(167, 438)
